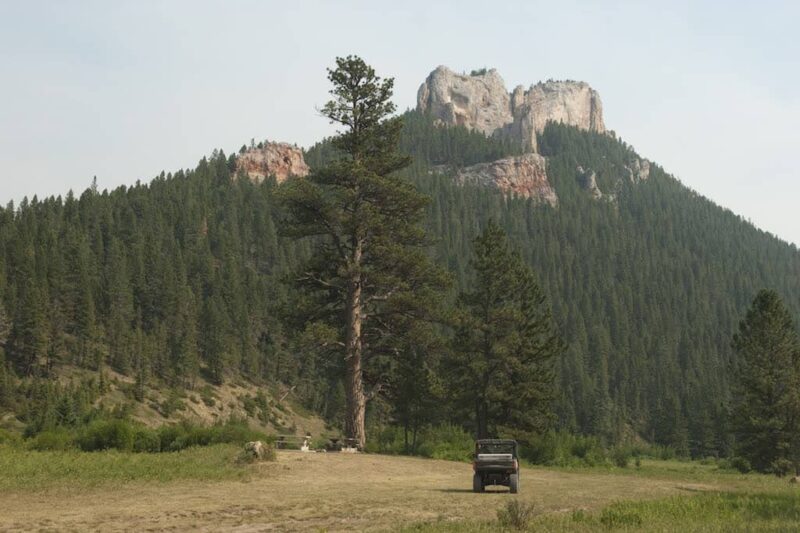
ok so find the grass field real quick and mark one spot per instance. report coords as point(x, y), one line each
point(205, 489)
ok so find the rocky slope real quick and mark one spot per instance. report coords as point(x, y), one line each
point(481, 101)
point(272, 159)
point(524, 176)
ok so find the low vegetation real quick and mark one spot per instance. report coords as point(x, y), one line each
point(25, 469)
point(126, 436)
point(713, 511)
point(200, 485)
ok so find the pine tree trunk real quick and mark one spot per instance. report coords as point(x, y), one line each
point(356, 401)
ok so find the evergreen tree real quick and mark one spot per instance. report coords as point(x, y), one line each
point(766, 411)
point(5, 328)
point(29, 334)
point(368, 263)
point(505, 342)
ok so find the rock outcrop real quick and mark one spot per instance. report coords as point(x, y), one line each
point(272, 159)
point(480, 101)
point(523, 176)
point(588, 181)
point(638, 170)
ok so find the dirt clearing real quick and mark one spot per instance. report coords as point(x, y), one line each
point(334, 492)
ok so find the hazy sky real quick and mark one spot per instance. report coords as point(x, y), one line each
point(123, 90)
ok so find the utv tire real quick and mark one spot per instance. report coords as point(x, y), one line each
point(477, 483)
point(513, 483)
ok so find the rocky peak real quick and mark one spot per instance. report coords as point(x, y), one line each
point(524, 176)
point(478, 101)
point(272, 159)
point(481, 101)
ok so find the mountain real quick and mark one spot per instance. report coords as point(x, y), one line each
point(179, 284)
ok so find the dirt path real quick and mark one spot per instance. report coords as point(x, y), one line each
point(304, 492)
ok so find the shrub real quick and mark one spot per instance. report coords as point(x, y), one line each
point(447, 442)
point(781, 467)
point(146, 441)
point(438, 442)
point(52, 440)
point(560, 448)
point(105, 435)
point(741, 464)
point(620, 456)
point(515, 514)
point(182, 436)
point(207, 395)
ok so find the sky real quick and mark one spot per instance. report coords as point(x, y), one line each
point(123, 90)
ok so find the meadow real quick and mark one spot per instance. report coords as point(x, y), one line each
point(209, 488)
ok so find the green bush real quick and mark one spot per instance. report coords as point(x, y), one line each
point(185, 435)
point(781, 467)
point(560, 448)
point(515, 514)
point(105, 435)
point(621, 456)
point(146, 441)
point(52, 440)
point(438, 442)
point(447, 442)
point(741, 464)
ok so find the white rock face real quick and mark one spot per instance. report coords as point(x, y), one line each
point(482, 102)
point(476, 102)
point(638, 170)
point(281, 160)
point(588, 180)
point(524, 176)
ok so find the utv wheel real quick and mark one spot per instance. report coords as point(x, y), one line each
point(513, 483)
point(477, 483)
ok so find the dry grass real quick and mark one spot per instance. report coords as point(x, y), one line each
point(334, 492)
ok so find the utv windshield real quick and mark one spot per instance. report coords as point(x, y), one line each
point(496, 447)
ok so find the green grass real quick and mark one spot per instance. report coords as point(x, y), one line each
point(745, 502)
point(28, 470)
point(706, 512)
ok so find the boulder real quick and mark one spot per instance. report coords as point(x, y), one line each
point(257, 451)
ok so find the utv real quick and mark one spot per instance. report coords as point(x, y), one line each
point(496, 463)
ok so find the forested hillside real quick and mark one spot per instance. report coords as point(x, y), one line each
point(182, 280)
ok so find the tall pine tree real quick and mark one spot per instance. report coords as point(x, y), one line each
point(766, 410)
point(369, 263)
point(505, 342)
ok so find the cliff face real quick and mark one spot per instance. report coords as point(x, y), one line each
point(524, 176)
point(482, 102)
point(477, 102)
point(272, 159)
